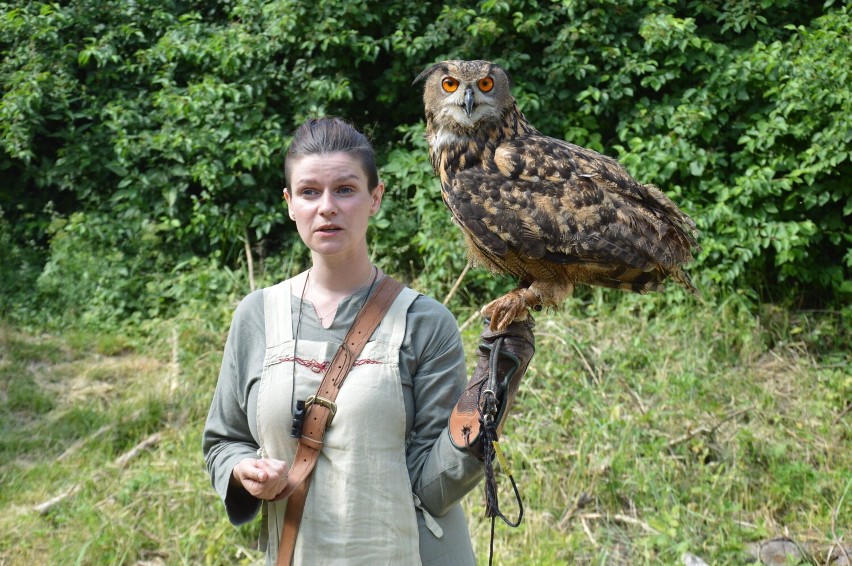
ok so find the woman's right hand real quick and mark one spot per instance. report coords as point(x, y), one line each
point(264, 478)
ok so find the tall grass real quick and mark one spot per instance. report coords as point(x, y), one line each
point(642, 434)
point(646, 427)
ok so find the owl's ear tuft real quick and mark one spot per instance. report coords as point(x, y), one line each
point(429, 70)
point(493, 66)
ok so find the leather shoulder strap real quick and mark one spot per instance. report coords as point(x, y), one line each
point(320, 411)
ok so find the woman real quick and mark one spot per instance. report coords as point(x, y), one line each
point(387, 484)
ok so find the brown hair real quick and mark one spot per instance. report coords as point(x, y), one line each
point(322, 136)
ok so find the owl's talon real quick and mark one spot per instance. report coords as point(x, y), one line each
point(510, 307)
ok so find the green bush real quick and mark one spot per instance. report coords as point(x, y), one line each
point(100, 277)
point(20, 265)
point(177, 113)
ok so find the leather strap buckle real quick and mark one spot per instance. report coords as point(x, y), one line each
point(323, 402)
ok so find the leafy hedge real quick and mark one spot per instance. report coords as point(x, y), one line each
point(169, 116)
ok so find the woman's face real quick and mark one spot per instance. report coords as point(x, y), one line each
point(331, 203)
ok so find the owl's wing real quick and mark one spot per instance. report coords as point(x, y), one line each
point(549, 200)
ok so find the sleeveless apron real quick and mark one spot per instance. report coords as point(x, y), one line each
point(360, 507)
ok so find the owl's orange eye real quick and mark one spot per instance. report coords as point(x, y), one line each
point(450, 84)
point(486, 84)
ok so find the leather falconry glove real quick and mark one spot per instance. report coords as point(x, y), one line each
point(502, 360)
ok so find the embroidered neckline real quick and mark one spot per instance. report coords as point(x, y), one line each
point(320, 367)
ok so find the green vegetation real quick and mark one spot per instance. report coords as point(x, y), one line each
point(644, 429)
point(147, 135)
point(140, 156)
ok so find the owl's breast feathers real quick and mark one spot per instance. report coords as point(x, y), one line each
point(540, 208)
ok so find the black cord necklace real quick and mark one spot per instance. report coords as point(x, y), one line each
point(297, 408)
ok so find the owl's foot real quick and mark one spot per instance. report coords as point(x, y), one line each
point(512, 306)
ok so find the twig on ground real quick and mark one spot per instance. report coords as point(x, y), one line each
point(582, 501)
point(843, 413)
point(588, 531)
point(703, 429)
point(634, 395)
point(619, 518)
point(82, 442)
point(690, 434)
point(595, 378)
point(121, 461)
point(44, 508)
point(152, 440)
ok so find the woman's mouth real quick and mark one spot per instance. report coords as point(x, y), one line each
point(329, 229)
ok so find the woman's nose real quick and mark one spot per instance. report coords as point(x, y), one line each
point(327, 204)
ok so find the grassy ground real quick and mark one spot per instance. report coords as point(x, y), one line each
point(643, 431)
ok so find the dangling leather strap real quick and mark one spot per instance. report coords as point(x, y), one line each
point(321, 411)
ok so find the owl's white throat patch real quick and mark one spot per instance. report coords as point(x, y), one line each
point(446, 138)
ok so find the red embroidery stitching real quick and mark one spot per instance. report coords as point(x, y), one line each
point(321, 367)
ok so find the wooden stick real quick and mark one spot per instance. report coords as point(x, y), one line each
point(471, 319)
point(44, 508)
point(619, 518)
point(175, 363)
point(152, 440)
point(703, 429)
point(633, 394)
point(843, 413)
point(586, 364)
point(249, 259)
point(457, 283)
point(588, 531)
point(583, 500)
point(121, 461)
point(82, 442)
point(689, 435)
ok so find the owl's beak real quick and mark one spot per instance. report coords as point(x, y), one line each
point(468, 101)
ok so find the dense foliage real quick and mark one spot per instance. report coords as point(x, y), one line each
point(147, 135)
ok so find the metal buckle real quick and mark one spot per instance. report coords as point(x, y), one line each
point(488, 405)
point(322, 401)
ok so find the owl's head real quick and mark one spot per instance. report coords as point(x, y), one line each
point(464, 95)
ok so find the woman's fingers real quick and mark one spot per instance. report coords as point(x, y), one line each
point(263, 478)
point(275, 468)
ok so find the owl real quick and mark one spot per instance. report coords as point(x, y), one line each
point(548, 212)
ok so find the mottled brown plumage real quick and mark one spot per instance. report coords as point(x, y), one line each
point(546, 211)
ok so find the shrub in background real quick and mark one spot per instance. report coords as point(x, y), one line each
point(176, 113)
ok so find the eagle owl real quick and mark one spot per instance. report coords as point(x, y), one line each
point(548, 212)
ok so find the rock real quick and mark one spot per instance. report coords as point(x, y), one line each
point(779, 552)
point(841, 556)
point(689, 559)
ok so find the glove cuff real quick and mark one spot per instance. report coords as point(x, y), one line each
point(502, 360)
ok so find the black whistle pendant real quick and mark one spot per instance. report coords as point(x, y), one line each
point(298, 420)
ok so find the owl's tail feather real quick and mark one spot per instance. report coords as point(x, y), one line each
point(642, 281)
point(685, 280)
